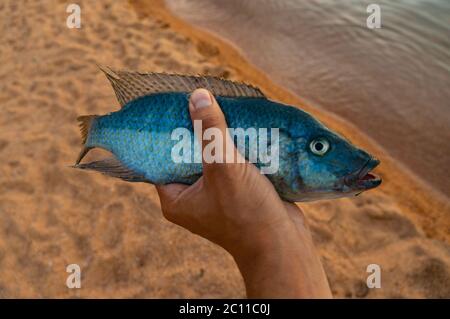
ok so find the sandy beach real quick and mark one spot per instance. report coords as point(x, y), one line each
point(52, 215)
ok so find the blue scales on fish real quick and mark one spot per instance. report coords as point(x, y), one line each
point(313, 162)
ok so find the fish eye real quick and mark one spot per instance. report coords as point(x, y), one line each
point(319, 146)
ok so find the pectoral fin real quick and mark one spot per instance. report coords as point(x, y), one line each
point(114, 168)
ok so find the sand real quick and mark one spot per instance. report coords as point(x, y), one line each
point(52, 215)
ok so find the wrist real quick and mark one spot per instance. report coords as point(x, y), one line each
point(260, 243)
point(282, 262)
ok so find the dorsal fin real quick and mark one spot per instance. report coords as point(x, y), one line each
point(130, 85)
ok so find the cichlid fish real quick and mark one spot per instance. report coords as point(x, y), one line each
point(314, 162)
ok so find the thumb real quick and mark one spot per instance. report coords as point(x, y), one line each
point(217, 146)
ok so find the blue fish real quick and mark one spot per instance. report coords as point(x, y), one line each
point(313, 162)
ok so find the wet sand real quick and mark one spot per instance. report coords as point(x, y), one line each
point(52, 215)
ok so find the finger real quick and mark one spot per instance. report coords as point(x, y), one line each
point(170, 192)
point(168, 195)
point(217, 146)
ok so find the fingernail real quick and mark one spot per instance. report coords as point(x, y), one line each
point(200, 98)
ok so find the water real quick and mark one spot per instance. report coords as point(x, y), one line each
point(393, 83)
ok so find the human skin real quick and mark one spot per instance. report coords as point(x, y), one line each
point(236, 207)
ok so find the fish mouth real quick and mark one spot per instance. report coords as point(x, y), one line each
point(363, 179)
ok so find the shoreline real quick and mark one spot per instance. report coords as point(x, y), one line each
point(419, 200)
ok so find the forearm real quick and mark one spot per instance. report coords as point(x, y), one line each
point(283, 263)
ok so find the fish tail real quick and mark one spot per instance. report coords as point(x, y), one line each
point(85, 123)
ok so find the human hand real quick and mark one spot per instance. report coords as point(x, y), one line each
point(236, 207)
